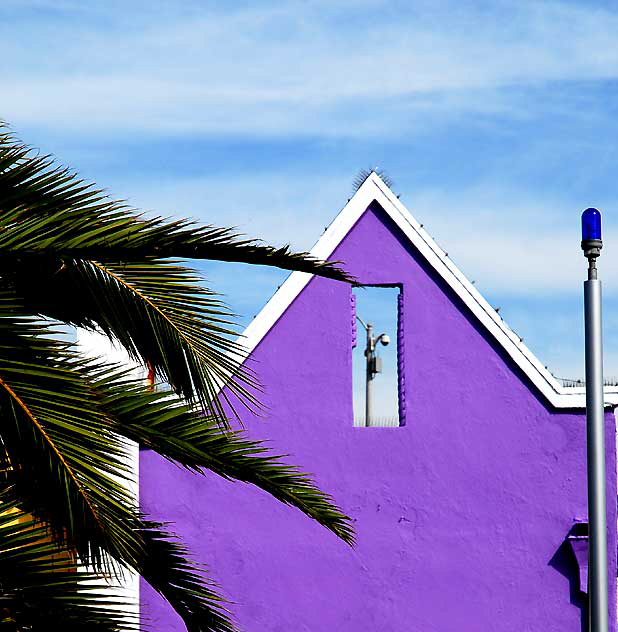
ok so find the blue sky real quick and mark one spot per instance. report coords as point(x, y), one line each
point(496, 122)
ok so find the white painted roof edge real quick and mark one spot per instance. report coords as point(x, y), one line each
point(372, 189)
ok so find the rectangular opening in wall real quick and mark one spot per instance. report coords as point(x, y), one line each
point(376, 366)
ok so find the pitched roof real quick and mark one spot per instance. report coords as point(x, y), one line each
point(374, 189)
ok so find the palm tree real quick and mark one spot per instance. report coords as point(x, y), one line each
point(70, 255)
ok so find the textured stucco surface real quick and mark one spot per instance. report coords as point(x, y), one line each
point(461, 515)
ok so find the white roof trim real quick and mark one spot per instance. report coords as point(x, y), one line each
point(374, 189)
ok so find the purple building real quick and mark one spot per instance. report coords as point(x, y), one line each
point(468, 512)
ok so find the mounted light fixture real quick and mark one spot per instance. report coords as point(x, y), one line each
point(373, 364)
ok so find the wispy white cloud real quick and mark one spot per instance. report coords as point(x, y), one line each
point(303, 68)
point(512, 242)
point(507, 241)
point(280, 209)
point(352, 68)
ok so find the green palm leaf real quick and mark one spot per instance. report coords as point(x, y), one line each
point(61, 238)
point(64, 446)
point(64, 463)
point(182, 435)
point(185, 586)
point(155, 309)
point(59, 446)
point(69, 254)
point(40, 582)
point(48, 210)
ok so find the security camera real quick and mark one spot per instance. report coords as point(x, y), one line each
point(385, 339)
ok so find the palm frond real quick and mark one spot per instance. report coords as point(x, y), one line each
point(62, 457)
point(47, 210)
point(61, 242)
point(164, 424)
point(155, 309)
point(41, 583)
point(168, 569)
point(63, 461)
point(69, 253)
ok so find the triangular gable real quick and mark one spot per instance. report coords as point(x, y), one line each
point(374, 189)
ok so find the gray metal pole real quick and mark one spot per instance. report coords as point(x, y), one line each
point(595, 426)
point(369, 376)
point(595, 432)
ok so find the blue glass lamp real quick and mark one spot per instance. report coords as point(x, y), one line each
point(591, 233)
point(591, 224)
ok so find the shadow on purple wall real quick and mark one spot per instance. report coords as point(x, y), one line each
point(566, 563)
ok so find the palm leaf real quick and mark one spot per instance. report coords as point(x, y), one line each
point(61, 239)
point(67, 252)
point(184, 585)
point(40, 582)
point(63, 456)
point(157, 421)
point(63, 462)
point(155, 309)
point(47, 210)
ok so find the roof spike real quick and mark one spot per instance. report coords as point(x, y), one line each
point(363, 174)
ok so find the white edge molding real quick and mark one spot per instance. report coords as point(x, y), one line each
point(372, 190)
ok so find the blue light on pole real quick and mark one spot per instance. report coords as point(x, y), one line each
point(595, 427)
point(591, 239)
point(591, 224)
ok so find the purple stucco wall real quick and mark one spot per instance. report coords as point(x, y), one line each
point(461, 515)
